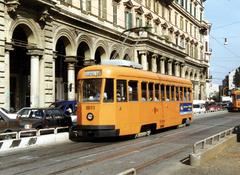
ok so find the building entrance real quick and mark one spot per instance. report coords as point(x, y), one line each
point(19, 71)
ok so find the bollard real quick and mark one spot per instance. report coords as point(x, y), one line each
point(194, 159)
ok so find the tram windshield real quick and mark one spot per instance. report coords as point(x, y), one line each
point(237, 97)
point(91, 90)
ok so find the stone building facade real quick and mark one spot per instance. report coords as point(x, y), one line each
point(44, 43)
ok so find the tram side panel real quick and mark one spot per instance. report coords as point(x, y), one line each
point(150, 115)
point(127, 117)
point(171, 114)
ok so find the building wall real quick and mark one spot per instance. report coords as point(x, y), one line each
point(175, 44)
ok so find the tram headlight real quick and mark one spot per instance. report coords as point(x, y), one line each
point(90, 116)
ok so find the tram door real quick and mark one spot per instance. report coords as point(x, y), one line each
point(124, 111)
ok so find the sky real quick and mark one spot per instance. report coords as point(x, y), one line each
point(224, 15)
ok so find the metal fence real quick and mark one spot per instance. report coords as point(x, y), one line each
point(202, 144)
point(33, 132)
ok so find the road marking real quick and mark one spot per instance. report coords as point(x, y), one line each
point(28, 158)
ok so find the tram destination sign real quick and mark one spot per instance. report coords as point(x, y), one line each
point(93, 73)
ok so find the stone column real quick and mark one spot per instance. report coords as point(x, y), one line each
point(71, 60)
point(34, 73)
point(53, 75)
point(154, 62)
point(8, 48)
point(196, 90)
point(170, 67)
point(143, 55)
point(162, 64)
point(202, 91)
point(177, 69)
point(182, 67)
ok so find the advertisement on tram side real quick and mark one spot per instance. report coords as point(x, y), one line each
point(185, 108)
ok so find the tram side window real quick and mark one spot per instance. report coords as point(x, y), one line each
point(168, 93)
point(156, 92)
point(189, 93)
point(108, 91)
point(185, 94)
point(144, 91)
point(133, 90)
point(163, 92)
point(173, 93)
point(177, 93)
point(150, 90)
point(121, 90)
point(237, 97)
point(181, 94)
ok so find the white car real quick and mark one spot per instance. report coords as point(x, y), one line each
point(198, 108)
point(7, 113)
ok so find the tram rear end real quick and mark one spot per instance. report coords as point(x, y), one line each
point(235, 105)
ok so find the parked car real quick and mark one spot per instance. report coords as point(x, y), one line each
point(213, 107)
point(7, 124)
point(38, 118)
point(7, 113)
point(69, 107)
point(65, 105)
point(198, 108)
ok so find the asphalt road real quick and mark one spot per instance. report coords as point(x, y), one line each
point(161, 153)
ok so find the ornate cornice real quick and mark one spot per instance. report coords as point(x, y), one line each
point(157, 21)
point(182, 35)
point(149, 16)
point(192, 41)
point(12, 5)
point(70, 59)
point(117, 1)
point(44, 16)
point(177, 32)
point(128, 4)
point(33, 51)
point(139, 10)
point(165, 25)
point(171, 29)
point(166, 2)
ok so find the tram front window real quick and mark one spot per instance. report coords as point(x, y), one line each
point(237, 97)
point(91, 90)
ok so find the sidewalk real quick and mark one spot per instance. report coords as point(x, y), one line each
point(225, 163)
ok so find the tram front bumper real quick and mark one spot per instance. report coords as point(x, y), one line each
point(94, 131)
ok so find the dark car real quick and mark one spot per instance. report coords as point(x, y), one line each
point(38, 118)
point(7, 124)
point(68, 106)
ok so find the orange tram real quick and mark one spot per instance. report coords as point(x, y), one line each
point(120, 101)
point(235, 105)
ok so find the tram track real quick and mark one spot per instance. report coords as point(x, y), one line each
point(133, 150)
point(168, 155)
point(105, 154)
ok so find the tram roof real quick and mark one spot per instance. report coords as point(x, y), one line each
point(120, 71)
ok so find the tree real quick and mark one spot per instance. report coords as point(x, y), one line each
point(236, 78)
